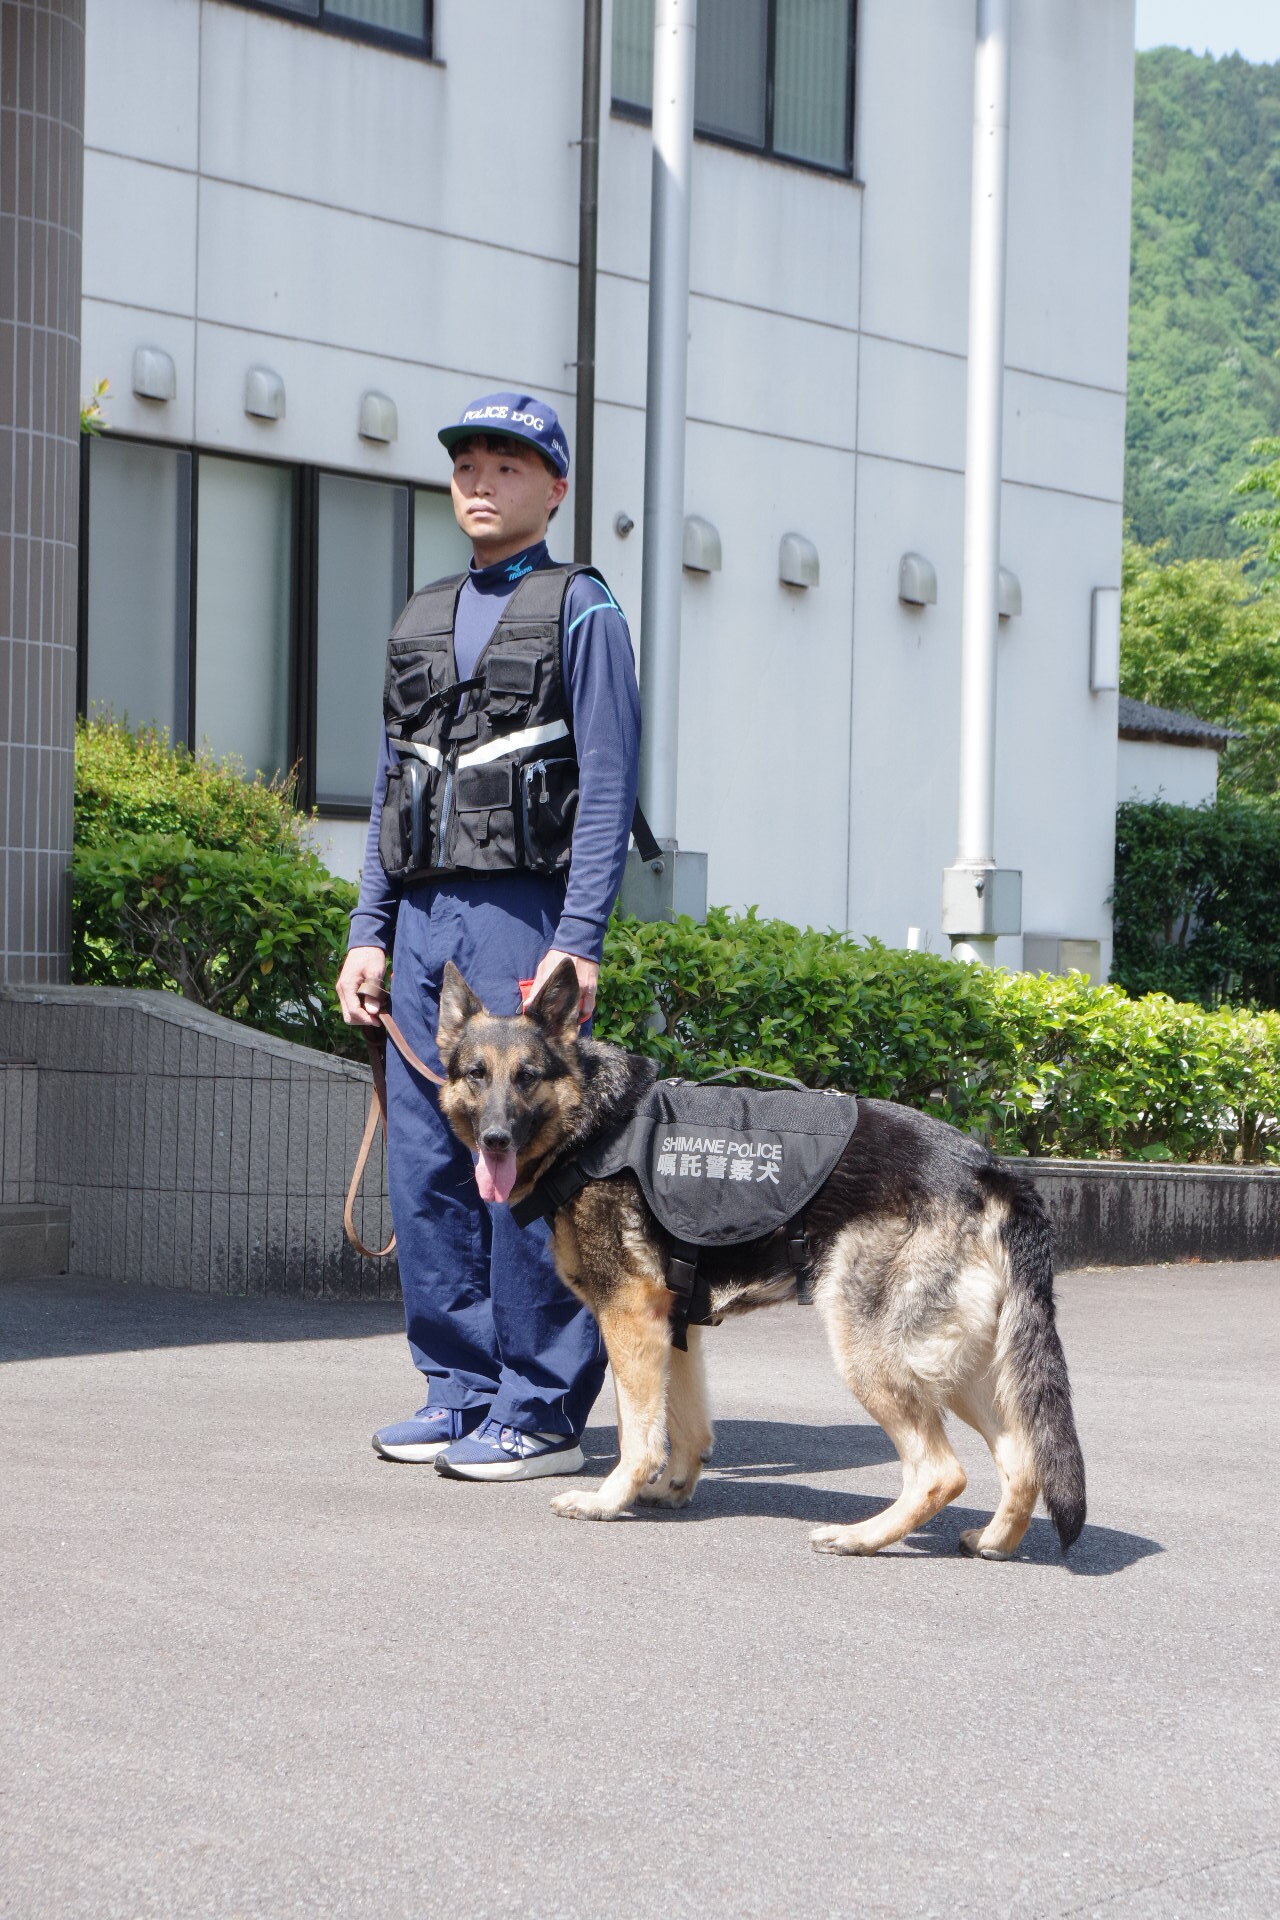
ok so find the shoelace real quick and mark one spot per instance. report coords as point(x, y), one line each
point(497, 1436)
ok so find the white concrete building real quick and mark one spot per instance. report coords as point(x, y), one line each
point(1169, 756)
point(399, 218)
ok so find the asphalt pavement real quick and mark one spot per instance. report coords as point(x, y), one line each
point(248, 1669)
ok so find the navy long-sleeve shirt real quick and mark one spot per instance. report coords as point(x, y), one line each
point(604, 711)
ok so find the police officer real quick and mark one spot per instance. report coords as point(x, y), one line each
point(502, 808)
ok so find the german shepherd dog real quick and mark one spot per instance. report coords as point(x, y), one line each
point(933, 1264)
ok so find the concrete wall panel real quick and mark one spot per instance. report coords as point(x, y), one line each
point(906, 678)
point(915, 107)
point(764, 742)
point(1056, 740)
point(1070, 166)
point(911, 404)
point(139, 234)
point(142, 96)
point(1154, 770)
point(325, 119)
point(286, 267)
point(1064, 436)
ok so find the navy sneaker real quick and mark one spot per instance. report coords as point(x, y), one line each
point(495, 1452)
point(427, 1434)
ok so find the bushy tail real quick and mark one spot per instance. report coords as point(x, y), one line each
point(1033, 1373)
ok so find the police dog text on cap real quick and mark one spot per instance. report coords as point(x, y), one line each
point(518, 415)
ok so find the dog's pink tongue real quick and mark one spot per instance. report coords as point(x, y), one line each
point(495, 1175)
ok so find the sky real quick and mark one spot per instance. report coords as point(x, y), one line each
point(1250, 27)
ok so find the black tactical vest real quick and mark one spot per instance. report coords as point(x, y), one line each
point(487, 778)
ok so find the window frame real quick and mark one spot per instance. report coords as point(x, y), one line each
point(347, 29)
point(643, 116)
point(304, 596)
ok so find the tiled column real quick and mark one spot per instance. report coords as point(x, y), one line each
point(41, 172)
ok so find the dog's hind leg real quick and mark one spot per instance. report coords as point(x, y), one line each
point(635, 1323)
point(689, 1435)
point(1019, 1484)
point(931, 1474)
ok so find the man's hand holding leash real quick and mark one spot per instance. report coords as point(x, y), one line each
point(588, 972)
point(361, 980)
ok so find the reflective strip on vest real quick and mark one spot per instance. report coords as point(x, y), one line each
point(505, 743)
point(495, 749)
point(432, 755)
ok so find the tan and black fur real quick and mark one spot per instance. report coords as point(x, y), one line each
point(934, 1279)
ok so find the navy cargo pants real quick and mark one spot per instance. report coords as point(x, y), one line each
point(489, 1321)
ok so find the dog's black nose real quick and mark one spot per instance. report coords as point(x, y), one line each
point(495, 1139)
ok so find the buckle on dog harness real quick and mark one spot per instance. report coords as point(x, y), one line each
point(800, 1255)
point(555, 1190)
point(693, 1295)
point(693, 1292)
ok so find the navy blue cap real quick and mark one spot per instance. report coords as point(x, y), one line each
point(520, 417)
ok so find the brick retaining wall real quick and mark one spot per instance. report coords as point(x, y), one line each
point(192, 1151)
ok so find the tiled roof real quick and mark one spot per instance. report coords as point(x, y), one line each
point(1138, 721)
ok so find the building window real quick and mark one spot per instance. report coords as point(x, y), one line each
point(244, 611)
point(362, 583)
point(773, 76)
point(244, 606)
point(440, 547)
point(138, 609)
point(403, 24)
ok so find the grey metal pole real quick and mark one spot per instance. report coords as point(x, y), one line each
point(983, 450)
point(674, 34)
point(588, 225)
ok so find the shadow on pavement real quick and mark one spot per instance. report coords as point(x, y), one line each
point(54, 1319)
point(749, 1478)
point(748, 1450)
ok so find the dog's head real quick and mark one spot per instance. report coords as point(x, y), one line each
point(512, 1085)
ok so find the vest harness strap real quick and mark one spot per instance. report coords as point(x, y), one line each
point(720, 1166)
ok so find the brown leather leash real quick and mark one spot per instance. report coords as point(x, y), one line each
point(377, 1045)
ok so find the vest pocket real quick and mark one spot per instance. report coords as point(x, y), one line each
point(410, 684)
point(404, 836)
point(483, 804)
point(511, 685)
point(548, 809)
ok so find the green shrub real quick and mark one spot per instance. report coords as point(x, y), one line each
point(188, 877)
point(258, 935)
point(1034, 1064)
point(1196, 904)
point(129, 782)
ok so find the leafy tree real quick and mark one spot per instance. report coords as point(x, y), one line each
point(1264, 479)
point(1204, 317)
point(1200, 635)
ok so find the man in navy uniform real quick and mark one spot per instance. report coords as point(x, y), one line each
point(502, 808)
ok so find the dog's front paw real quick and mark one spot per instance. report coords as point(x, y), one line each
point(579, 1505)
point(839, 1540)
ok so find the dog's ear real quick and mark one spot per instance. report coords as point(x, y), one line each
point(558, 1007)
point(457, 1005)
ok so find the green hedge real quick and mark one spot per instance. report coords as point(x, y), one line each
point(1034, 1064)
point(1196, 906)
point(187, 877)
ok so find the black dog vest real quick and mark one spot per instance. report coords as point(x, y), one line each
point(720, 1166)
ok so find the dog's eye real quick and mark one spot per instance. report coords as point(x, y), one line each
point(526, 1076)
point(477, 1071)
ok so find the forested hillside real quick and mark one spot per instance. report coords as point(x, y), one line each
point(1204, 320)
